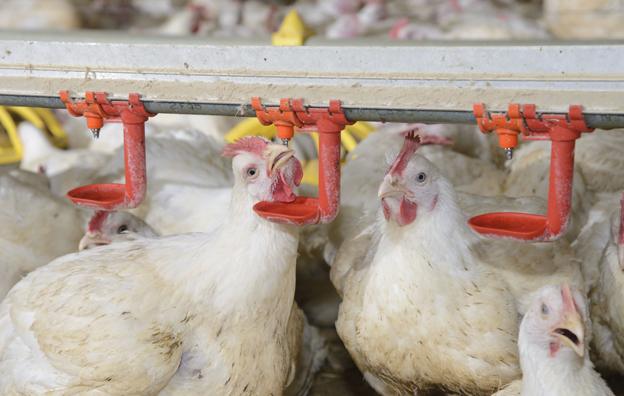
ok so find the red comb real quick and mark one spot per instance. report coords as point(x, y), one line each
point(247, 144)
point(427, 137)
point(410, 145)
point(97, 220)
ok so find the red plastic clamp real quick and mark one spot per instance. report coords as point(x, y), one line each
point(96, 107)
point(329, 122)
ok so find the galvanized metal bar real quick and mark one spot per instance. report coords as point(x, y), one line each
point(390, 81)
point(602, 121)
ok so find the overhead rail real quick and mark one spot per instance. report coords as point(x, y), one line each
point(552, 91)
point(374, 80)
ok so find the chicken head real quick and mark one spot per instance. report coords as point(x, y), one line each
point(268, 171)
point(410, 185)
point(555, 323)
point(106, 227)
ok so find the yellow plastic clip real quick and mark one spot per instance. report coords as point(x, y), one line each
point(10, 144)
point(54, 127)
point(27, 114)
point(360, 129)
point(43, 119)
point(348, 141)
point(292, 31)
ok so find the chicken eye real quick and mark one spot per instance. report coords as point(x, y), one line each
point(251, 172)
point(122, 228)
point(545, 309)
point(421, 177)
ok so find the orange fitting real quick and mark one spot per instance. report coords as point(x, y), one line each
point(94, 121)
point(88, 108)
point(506, 125)
point(283, 117)
point(285, 130)
point(507, 138)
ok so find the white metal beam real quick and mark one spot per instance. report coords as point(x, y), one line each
point(439, 77)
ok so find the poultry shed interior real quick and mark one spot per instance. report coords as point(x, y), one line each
point(312, 197)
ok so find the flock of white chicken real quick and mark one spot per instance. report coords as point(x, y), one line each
point(335, 19)
point(192, 293)
point(425, 302)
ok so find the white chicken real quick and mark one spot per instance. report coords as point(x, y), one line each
point(189, 314)
point(37, 226)
point(554, 352)
point(307, 346)
point(402, 332)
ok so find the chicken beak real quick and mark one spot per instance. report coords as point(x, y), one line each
point(277, 156)
point(570, 329)
point(90, 240)
point(391, 186)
